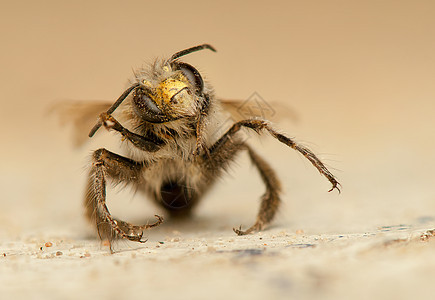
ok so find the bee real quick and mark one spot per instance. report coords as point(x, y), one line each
point(168, 119)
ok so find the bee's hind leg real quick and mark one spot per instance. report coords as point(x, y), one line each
point(224, 151)
point(106, 164)
point(270, 201)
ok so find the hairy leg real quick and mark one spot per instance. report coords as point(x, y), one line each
point(218, 156)
point(258, 126)
point(149, 143)
point(270, 201)
point(105, 165)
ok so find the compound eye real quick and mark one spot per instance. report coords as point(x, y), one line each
point(147, 108)
point(192, 75)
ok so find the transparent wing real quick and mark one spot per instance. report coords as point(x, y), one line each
point(258, 108)
point(81, 115)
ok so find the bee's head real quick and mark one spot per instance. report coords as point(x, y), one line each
point(176, 92)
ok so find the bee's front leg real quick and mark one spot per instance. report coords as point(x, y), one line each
point(110, 123)
point(145, 143)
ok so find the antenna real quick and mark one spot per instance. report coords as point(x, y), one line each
point(190, 50)
point(114, 106)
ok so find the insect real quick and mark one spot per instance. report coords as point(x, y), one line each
point(167, 120)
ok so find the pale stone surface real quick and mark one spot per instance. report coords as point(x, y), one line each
point(358, 79)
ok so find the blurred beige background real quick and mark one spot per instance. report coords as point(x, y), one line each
point(358, 74)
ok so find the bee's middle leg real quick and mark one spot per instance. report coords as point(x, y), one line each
point(106, 164)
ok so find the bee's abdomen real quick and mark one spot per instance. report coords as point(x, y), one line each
point(177, 198)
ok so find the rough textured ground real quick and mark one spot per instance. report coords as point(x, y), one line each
point(391, 262)
point(357, 79)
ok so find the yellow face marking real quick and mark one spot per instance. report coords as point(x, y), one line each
point(168, 88)
point(172, 95)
